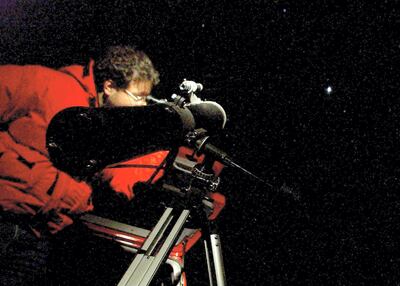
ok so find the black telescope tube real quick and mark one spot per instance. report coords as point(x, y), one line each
point(82, 141)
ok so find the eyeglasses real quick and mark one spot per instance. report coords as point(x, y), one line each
point(135, 97)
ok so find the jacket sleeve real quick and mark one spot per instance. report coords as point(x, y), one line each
point(123, 177)
point(29, 183)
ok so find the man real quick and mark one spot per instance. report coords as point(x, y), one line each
point(37, 200)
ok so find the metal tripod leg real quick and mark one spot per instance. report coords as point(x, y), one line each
point(218, 261)
point(148, 260)
point(219, 271)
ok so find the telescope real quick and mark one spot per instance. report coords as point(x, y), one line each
point(82, 141)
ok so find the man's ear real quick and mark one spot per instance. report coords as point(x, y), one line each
point(108, 87)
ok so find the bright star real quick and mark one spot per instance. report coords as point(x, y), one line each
point(328, 90)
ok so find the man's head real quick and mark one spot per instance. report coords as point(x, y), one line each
point(124, 77)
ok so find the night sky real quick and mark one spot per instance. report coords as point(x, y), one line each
point(311, 93)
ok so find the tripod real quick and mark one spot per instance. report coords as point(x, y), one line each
point(160, 242)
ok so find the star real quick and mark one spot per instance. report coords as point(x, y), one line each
point(328, 90)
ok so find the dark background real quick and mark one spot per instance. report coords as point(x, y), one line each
point(269, 63)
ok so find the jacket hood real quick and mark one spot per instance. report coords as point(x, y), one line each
point(84, 75)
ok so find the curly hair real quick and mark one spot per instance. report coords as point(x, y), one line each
point(122, 64)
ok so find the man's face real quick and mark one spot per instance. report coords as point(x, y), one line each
point(134, 95)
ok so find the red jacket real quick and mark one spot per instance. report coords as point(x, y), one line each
point(29, 185)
